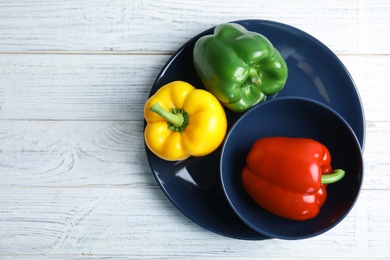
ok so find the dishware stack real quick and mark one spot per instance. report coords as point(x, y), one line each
point(318, 103)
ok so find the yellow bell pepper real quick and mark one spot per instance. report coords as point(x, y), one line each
point(183, 121)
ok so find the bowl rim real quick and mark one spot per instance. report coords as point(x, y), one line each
point(293, 99)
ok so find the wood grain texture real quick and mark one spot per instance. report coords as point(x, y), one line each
point(52, 153)
point(112, 153)
point(354, 26)
point(74, 178)
point(68, 221)
point(78, 87)
point(115, 87)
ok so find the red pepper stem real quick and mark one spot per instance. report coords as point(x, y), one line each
point(333, 177)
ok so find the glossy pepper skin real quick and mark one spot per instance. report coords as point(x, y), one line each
point(238, 66)
point(183, 121)
point(288, 176)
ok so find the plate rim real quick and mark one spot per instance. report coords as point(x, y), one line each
point(166, 66)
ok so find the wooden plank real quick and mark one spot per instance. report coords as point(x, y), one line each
point(349, 27)
point(115, 87)
point(368, 73)
point(74, 179)
point(81, 87)
point(126, 221)
point(80, 153)
point(87, 153)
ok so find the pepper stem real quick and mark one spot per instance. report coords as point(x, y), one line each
point(254, 76)
point(333, 177)
point(177, 119)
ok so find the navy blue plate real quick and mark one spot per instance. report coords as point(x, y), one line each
point(193, 185)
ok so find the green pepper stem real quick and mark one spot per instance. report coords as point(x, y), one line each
point(175, 119)
point(254, 76)
point(333, 177)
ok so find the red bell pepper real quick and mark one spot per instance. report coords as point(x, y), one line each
point(288, 176)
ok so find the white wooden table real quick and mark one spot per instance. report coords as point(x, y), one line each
point(74, 178)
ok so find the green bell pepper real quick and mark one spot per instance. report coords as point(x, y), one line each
point(238, 66)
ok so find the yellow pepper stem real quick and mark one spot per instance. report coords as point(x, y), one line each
point(177, 119)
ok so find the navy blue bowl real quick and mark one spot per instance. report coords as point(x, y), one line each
point(292, 117)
